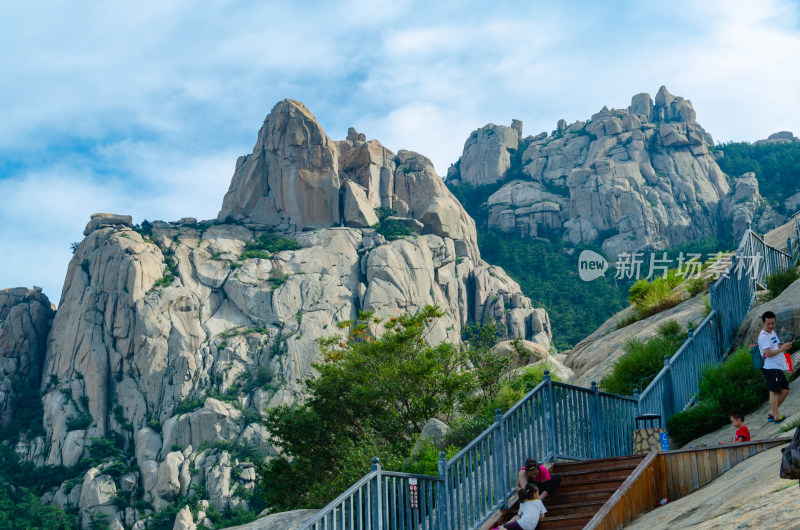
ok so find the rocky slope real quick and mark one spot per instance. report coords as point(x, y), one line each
point(632, 179)
point(170, 346)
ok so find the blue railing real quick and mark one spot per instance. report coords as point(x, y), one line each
point(382, 499)
point(553, 421)
point(793, 243)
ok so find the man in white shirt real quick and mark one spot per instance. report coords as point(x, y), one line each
point(774, 364)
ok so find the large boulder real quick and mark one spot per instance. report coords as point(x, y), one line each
point(786, 307)
point(25, 319)
point(291, 178)
point(291, 520)
point(486, 156)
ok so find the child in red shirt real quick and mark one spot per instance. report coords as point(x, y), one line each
point(742, 432)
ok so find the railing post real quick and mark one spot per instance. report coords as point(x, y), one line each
point(716, 327)
point(550, 419)
point(500, 447)
point(667, 397)
point(443, 500)
point(637, 408)
point(377, 497)
point(598, 448)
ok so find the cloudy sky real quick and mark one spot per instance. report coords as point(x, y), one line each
point(141, 108)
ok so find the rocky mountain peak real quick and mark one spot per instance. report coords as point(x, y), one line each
point(298, 179)
point(639, 178)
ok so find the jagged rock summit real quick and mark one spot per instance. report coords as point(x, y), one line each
point(297, 178)
point(634, 179)
point(169, 342)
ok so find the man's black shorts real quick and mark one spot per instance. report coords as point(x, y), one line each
point(776, 381)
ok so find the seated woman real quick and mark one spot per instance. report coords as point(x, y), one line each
point(534, 473)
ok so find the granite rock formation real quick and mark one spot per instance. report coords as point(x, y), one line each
point(171, 346)
point(634, 179)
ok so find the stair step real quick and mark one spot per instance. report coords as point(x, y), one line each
point(586, 508)
point(625, 466)
point(566, 521)
point(561, 467)
point(591, 484)
point(577, 497)
point(573, 477)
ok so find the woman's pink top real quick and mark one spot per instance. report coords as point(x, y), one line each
point(544, 475)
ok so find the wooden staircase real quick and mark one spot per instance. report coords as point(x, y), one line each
point(585, 487)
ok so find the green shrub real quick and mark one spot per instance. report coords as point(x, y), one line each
point(696, 286)
point(189, 405)
point(779, 281)
point(78, 423)
point(628, 320)
point(734, 384)
point(276, 279)
point(20, 508)
point(695, 422)
point(266, 244)
point(170, 269)
point(651, 297)
point(642, 360)
point(426, 459)
point(393, 229)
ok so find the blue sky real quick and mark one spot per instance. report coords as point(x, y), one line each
point(143, 108)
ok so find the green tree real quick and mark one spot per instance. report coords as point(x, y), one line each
point(375, 391)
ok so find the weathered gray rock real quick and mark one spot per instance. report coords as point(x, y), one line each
point(25, 319)
point(102, 220)
point(746, 206)
point(184, 520)
point(291, 520)
point(782, 137)
point(97, 497)
point(786, 307)
point(595, 355)
point(486, 156)
point(291, 178)
point(169, 484)
point(161, 331)
point(639, 178)
point(298, 178)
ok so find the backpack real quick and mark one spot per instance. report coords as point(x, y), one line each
point(755, 354)
point(790, 463)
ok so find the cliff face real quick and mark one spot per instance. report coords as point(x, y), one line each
point(25, 318)
point(169, 342)
point(644, 177)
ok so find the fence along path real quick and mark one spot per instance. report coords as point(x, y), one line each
point(554, 420)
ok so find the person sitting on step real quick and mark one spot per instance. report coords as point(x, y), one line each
point(531, 510)
point(534, 473)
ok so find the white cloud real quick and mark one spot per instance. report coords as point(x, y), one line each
point(142, 108)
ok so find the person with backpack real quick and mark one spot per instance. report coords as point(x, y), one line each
point(775, 361)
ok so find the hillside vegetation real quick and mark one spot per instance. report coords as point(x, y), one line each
point(776, 165)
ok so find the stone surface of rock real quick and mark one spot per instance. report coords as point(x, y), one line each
point(486, 156)
point(291, 520)
point(184, 520)
point(631, 179)
point(166, 338)
point(25, 319)
point(595, 355)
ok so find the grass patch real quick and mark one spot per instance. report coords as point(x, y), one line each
point(642, 360)
point(267, 244)
point(651, 297)
point(779, 281)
